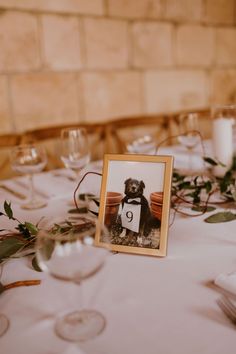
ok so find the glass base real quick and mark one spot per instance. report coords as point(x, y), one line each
point(80, 325)
point(36, 204)
point(4, 324)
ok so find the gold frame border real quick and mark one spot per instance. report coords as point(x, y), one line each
point(168, 161)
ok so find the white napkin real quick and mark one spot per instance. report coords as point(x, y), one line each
point(227, 282)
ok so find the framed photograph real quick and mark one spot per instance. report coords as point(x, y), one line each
point(135, 203)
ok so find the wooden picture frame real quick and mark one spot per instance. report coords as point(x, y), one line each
point(135, 203)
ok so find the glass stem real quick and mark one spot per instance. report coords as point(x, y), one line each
point(190, 166)
point(31, 189)
point(78, 175)
point(80, 286)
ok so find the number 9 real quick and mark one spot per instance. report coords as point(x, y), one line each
point(130, 216)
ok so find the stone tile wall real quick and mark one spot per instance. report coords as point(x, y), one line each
point(89, 60)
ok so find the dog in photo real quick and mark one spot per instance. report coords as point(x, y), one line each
point(134, 195)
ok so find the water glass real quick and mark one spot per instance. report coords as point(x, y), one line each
point(67, 252)
point(189, 133)
point(75, 152)
point(28, 160)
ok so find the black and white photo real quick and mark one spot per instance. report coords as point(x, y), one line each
point(134, 205)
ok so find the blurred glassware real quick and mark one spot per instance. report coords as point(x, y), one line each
point(69, 253)
point(28, 160)
point(189, 133)
point(142, 145)
point(75, 152)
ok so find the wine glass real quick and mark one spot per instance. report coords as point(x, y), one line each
point(29, 159)
point(4, 321)
point(189, 133)
point(75, 152)
point(68, 253)
point(142, 145)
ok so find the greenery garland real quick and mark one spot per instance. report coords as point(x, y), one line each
point(198, 190)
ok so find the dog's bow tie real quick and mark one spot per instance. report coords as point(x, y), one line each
point(134, 201)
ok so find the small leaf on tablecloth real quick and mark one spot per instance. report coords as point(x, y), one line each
point(84, 196)
point(31, 227)
point(203, 208)
point(221, 217)
point(35, 265)
point(10, 246)
point(210, 161)
point(93, 212)
point(208, 186)
point(82, 210)
point(8, 209)
point(24, 231)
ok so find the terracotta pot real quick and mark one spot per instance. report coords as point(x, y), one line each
point(156, 204)
point(156, 197)
point(113, 200)
point(156, 210)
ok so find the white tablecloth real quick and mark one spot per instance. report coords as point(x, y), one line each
point(152, 305)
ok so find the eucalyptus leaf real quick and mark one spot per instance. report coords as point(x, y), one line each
point(32, 228)
point(93, 212)
point(78, 211)
point(210, 161)
point(35, 265)
point(8, 209)
point(185, 185)
point(84, 196)
point(203, 208)
point(178, 177)
point(208, 186)
point(24, 231)
point(195, 180)
point(9, 247)
point(224, 216)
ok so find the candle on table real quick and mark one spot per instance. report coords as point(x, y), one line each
point(223, 144)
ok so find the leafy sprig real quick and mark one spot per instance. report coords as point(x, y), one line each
point(20, 241)
point(26, 229)
point(197, 191)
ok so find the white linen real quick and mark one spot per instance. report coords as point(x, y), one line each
point(152, 305)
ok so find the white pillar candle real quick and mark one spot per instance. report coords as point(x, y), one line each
point(223, 144)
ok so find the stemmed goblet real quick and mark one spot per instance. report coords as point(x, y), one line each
point(29, 159)
point(142, 145)
point(189, 133)
point(67, 252)
point(75, 152)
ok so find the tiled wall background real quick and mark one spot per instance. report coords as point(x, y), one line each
point(89, 60)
